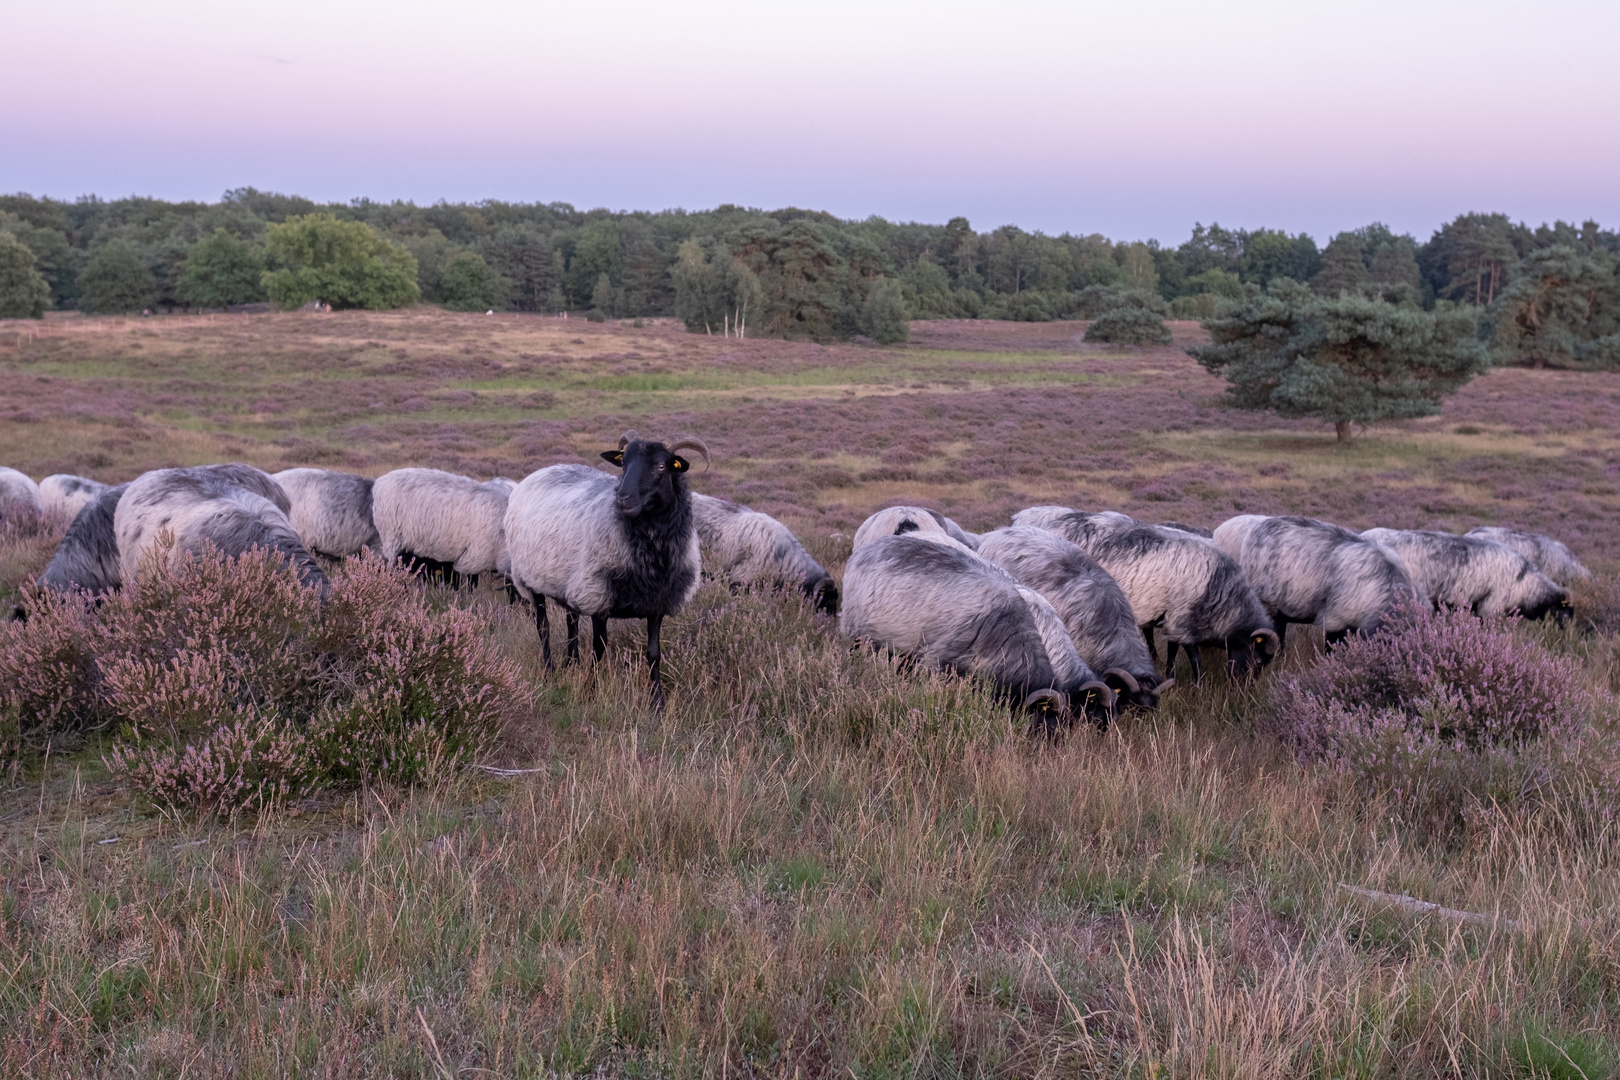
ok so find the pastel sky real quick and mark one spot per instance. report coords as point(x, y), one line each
point(1133, 118)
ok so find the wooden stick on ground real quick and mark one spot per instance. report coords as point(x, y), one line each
point(1423, 907)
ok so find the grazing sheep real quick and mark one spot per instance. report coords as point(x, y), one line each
point(1094, 609)
point(233, 507)
point(331, 510)
point(903, 519)
point(620, 549)
point(67, 495)
point(930, 599)
point(1470, 572)
point(447, 524)
point(87, 557)
point(18, 492)
point(1546, 554)
point(1309, 571)
point(1173, 579)
point(748, 548)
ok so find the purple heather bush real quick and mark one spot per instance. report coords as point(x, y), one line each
point(1444, 713)
point(229, 686)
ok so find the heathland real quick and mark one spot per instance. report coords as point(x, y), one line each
point(815, 862)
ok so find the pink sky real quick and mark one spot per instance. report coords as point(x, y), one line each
point(1131, 120)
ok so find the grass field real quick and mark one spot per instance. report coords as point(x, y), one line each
point(814, 864)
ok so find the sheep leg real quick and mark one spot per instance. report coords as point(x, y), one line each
point(1196, 659)
point(1336, 636)
point(543, 626)
point(598, 635)
point(1281, 623)
point(1170, 649)
point(655, 625)
point(1147, 634)
point(573, 637)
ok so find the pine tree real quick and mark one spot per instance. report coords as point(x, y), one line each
point(1394, 271)
point(1349, 360)
point(1343, 271)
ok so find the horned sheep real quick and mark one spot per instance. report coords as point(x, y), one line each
point(1174, 580)
point(1094, 609)
point(1473, 573)
point(748, 548)
point(234, 508)
point(936, 602)
point(1309, 571)
point(625, 549)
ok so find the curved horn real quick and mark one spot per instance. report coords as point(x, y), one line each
point(1162, 687)
point(1109, 696)
point(690, 442)
point(1271, 635)
point(629, 437)
point(1125, 677)
point(1055, 699)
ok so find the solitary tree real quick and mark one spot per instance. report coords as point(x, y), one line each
point(1124, 316)
point(344, 263)
point(117, 279)
point(1348, 360)
point(222, 270)
point(24, 292)
point(468, 283)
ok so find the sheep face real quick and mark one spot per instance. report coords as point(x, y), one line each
point(824, 593)
point(1554, 605)
point(653, 477)
point(1247, 652)
point(1135, 693)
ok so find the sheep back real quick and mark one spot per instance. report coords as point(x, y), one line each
point(66, 495)
point(750, 548)
point(1472, 573)
point(1311, 571)
point(439, 516)
point(1551, 557)
point(331, 510)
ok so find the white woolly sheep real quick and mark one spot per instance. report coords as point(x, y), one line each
point(1309, 571)
point(748, 549)
point(1469, 572)
point(331, 510)
point(896, 520)
point(621, 549)
point(66, 495)
point(441, 522)
point(1550, 556)
point(18, 494)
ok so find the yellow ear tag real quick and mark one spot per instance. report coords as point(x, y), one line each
point(677, 464)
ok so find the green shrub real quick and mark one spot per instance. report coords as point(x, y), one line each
point(1129, 326)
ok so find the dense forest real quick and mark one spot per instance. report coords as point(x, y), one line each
point(1547, 295)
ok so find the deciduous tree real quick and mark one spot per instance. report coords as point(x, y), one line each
point(221, 270)
point(24, 292)
point(342, 263)
point(117, 279)
point(471, 284)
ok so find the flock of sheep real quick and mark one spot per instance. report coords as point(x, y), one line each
point(1056, 612)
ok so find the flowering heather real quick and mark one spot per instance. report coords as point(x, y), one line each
point(1436, 710)
point(230, 685)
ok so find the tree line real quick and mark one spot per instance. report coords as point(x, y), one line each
point(1548, 295)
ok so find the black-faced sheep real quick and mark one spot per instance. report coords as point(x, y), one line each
point(18, 494)
point(621, 549)
point(236, 508)
point(331, 510)
point(441, 522)
point(936, 602)
point(67, 495)
point(747, 548)
point(1475, 574)
point(1550, 556)
point(1174, 580)
point(1094, 609)
point(896, 520)
point(1309, 571)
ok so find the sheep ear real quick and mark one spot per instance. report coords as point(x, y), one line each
point(679, 464)
point(614, 457)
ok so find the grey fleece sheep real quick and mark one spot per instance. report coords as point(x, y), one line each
point(1546, 554)
point(624, 548)
point(1094, 609)
point(748, 548)
point(440, 521)
point(1309, 571)
point(1473, 573)
point(67, 495)
point(1174, 580)
point(87, 557)
point(331, 510)
point(18, 493)
point(236, 508)
point(903, 519)
point(936, 602)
